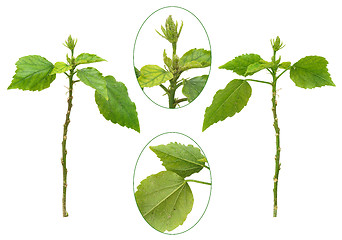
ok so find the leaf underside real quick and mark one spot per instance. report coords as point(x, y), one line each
point(181, 159)
point(240, 64)
point(311, 72)
point(153, 75)
point(164, 200)
point(93, 78)
point(32, 73)
point(227, 102)
point(194, 86)
point(118, 108)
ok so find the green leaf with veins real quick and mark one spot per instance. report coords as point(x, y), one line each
point(311, 72)
point(240, 64)
point(93, 78)
point(227, 102)
point(32, 73)
point(153, 75)
point(181, 159)
point(195, 58)
point(164, 200)
point(258, 66)
point(118, 108)
point(60, 67)
point(194, 86)
point(84, 58)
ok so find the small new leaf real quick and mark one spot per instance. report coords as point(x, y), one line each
point(167, 60)
point(195, 58)
point(118, 108)
point(60, 67)
point(33, 73)
point(93, 78)
point(258, 66)
point(240, 64)
point(181, 159)
point(311, 72)
point(194, 86)
point(153, 75)
point(84, 58)
point(227, 102)
point(285, 65)
point(164, 200)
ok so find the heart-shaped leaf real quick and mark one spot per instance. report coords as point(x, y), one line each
point(164, 200)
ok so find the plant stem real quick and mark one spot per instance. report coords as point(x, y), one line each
point(65, 131)
point(172, 92)
point(196, 181)
point(277, 133)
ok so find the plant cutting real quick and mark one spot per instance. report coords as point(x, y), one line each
point(165, 199)
point(35, 73)
point(154, 75)
point(309, 72)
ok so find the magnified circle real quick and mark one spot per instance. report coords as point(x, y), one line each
point(172, 57)
point(172, 183)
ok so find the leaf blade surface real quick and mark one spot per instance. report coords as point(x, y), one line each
point(93, 78)
point(227, 102)
point(85, 58)
point(153, 75)
point(164, 200)
point(240, 63)
point(181, 159)
point(118, 108)
point(195, 58)
point(32, 73)
point(310, 72)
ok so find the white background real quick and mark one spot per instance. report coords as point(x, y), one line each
point(240, 150)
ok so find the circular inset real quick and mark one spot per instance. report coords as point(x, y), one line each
point(172, 183)
point(172, 57)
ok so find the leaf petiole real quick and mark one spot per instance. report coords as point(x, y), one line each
point(259, 81)
point(196, 181)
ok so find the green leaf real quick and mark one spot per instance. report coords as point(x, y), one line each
point(181, 159)
point(285, 65)
point(194, 86)
point(311, 72)
point(93, 78)
point(153, 75)
point(33, 73)
point(258, 66)
point(118, 108)
point(227, 102)
point(195, 58)
point(84, 58)
point(164, 200)
point(60, 67)
point(240, 64)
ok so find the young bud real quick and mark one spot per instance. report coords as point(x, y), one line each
point(170, 30)
point(277, 44)
point(70, 43)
